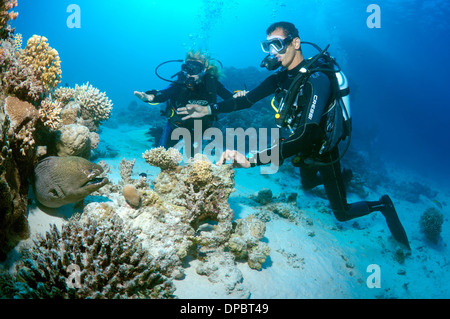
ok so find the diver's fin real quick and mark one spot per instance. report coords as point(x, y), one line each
point(393, 222)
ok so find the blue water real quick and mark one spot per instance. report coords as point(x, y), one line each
point(398, 73)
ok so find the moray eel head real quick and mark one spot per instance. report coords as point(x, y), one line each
point(58, 181)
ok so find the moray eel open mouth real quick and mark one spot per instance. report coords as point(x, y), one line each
point(96, 181)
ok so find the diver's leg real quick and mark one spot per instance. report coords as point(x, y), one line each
point(309, 177)
point(343, 211)
point(164, 140)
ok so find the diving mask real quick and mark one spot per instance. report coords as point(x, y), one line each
point(278, 44)
point(192, 67)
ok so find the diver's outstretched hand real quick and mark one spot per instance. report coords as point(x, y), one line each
point(144, 97)
point(240, 93)
point(238, 160)
point(193, 111)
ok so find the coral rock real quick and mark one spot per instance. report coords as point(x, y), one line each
point(19, 112)
point(431, 224)
point(162, 158)
point(244, 242)
point(74, 140)
point(131, 195)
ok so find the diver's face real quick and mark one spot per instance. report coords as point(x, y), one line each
point(291, 57)
point(195, 70)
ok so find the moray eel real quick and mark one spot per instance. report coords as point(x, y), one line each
point(58, 181)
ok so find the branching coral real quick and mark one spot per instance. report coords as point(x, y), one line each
point(6, 15)
point(17, 78)
point(95, 105)
point(106, 255)
point(50, 113)
point(64, 94)
point(431, 224)
point(44, 60)
point(162, 158)
point(126, 169)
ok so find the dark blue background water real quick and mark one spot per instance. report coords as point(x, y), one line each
point(398, 73)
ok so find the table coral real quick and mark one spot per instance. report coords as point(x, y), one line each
point(44, 60)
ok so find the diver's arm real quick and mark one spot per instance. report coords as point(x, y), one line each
point(223, 92)
point(165, 94)
point(267, 87)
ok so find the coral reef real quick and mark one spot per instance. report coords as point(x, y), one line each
point(44, 60)
point(107, 255)
point(431, 224)
point(33, 122)
point(14, 171)
point(186, 215)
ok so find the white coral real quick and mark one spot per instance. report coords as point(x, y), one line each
point(94, 104)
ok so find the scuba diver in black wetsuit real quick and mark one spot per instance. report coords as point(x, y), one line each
point(307, 118)
point(197, 84)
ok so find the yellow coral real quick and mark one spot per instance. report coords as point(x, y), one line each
point(201, 173)
point(45, 61)
point(18, 42)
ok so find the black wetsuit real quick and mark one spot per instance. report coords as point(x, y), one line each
point(178, 95)
point(307, 137)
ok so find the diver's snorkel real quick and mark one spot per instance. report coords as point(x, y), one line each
point(270, 62)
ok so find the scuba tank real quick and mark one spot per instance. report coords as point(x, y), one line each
point(345, 94)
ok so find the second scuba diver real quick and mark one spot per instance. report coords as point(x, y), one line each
point(197, 83)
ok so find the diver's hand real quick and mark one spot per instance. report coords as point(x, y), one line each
point(193, 111)
point(144, 97)
point(238, 160)
point(240, 94)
